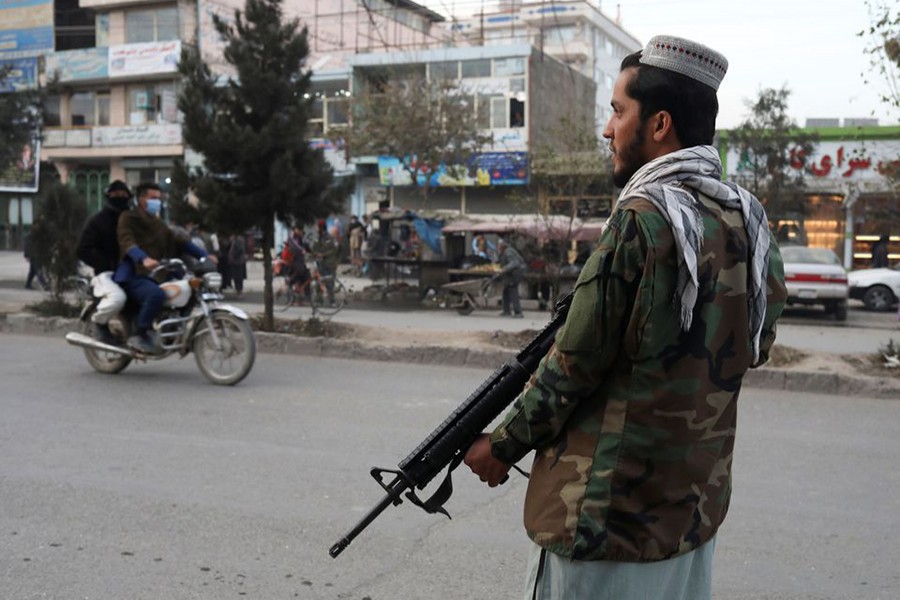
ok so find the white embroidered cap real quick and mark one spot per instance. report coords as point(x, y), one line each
point(686, 57)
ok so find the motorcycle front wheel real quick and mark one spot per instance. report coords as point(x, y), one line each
point(104, 362)
point(232, 360)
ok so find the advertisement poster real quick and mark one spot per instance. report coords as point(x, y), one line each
point(22, 175)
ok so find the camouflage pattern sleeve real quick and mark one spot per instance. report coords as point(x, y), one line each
point(586, 346)
point(776, 294)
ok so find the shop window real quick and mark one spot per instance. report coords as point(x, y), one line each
point(516, 113)
point(476, 68)
point(337, 111)
point(517, 84)
point(483, 112)
point(560, 34)
point(89, 108)
point(505, 67)
point(444, 70)
point(499, 117)
point(156, 25)
point(152, 103)
point(52, 112)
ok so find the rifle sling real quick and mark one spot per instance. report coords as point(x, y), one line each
point(435, 504)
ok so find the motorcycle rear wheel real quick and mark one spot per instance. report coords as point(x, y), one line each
point(232, 362)
point(104, 362)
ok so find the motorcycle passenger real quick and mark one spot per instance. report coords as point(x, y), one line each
point(144, 240)
point(98, 247)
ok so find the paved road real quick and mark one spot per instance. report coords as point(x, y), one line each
point(154, 484)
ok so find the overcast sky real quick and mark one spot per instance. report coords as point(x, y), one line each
point(810, 46)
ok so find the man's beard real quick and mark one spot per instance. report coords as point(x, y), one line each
point(631, 158)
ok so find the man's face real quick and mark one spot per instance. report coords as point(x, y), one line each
point(625, 132)
point(147, 195)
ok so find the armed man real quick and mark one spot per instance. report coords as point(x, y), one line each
point(632, 412)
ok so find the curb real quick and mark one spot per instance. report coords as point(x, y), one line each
point(771, 378)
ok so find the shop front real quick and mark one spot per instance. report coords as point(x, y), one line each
point(852, 193)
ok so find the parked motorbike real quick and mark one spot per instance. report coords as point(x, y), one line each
point(192, 320)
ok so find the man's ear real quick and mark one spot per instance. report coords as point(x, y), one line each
point(662, 127)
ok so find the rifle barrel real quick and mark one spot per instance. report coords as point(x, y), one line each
point(395, 489)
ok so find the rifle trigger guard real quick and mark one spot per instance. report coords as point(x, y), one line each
point(377, 474)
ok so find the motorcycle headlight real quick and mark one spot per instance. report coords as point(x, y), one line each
point(213, 281)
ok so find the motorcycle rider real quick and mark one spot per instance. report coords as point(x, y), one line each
point(98, 247)
point(144, 240)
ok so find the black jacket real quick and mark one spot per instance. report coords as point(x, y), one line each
point(98, 246)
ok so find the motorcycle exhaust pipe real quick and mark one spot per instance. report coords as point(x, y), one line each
point(79, 339)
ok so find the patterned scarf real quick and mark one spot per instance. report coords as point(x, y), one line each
point(665, 182)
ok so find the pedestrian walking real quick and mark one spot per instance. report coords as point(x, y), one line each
point(512, 273)
point(880, 252)
point(237, 262)
point(35, 270)
point(632, 413)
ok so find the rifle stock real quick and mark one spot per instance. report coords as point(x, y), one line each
point(447, 444)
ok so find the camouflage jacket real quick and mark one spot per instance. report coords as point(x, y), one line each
point(633, 419)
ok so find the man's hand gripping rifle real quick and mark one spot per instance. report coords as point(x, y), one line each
point(446, 446)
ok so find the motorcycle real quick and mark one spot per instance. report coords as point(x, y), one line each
point(192, 320)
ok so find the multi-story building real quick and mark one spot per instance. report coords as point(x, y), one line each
point(519, 96)
point(117, 116)
point(576, 32)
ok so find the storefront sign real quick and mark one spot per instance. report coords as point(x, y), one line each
point(144, 59)
point(141, 135)
point(837, 161)
point(77, 65)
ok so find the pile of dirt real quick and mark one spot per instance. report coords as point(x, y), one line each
point(780, 357)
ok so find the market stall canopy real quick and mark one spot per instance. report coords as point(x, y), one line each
point(550, 227)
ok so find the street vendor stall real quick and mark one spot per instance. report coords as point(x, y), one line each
point(549, 243)
point(404, 246)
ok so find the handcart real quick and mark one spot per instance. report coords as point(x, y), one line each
point(465, 296)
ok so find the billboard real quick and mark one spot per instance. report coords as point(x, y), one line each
point(26, 28)
point(484, 169)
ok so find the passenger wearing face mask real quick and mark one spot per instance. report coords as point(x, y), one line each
point(144, 240)
point(98, 248)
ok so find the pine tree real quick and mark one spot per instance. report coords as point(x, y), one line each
point(252, 130)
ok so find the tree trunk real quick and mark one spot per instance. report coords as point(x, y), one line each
point(268, 231)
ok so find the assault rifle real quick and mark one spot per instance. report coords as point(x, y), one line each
point(447, 445)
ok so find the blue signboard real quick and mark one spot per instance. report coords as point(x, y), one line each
point(488, 168)
point(83, 64)
point(26, 27)
point(22, 75)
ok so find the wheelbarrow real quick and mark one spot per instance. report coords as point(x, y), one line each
point(465, 296)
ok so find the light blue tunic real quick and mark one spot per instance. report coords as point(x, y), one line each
point(685, 577)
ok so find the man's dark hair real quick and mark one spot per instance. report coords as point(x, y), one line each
point(693, 105)
point(147, 185)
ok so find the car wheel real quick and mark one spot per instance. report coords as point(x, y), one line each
point(878, 297)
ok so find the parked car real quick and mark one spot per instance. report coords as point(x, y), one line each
point(879, 289)
point(815, 276)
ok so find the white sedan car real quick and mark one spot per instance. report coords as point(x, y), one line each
point(879, 289)
point(815, 276)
